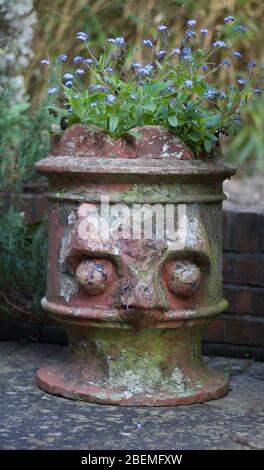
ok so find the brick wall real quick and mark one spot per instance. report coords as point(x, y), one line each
point(242, 325)
point(32, 202)
point(243, 275)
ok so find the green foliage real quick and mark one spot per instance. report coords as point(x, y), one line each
point(23, 249)
point(24, 139)
point(176, 88)
point(16, 30)
point(58, 21)
point(12, 119)
point(34, 143)
point(249, 142)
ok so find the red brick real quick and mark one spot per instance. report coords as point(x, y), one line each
point(227, 224)
point(243, 228)
point(258, 302)
point(244, 299)
point(236, 330)
point(239, 298)
point(243, 331)
point(39, 206)
point(246, 232)
point(262, 235)
point(215, 331)
point(34, 205)
point(244, 268)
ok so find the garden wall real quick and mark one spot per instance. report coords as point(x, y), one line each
point(243, 274)
point(238, 332)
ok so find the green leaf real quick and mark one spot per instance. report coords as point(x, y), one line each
point(20, 108)
point(150, 107)
point(113, 122)
point(194, 137)
point(159, 65)
point(214, 121)
point(208, 145)
point(135, 134)
point(173, 121)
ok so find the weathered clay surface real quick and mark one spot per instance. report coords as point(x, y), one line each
point(149, 367)
point(91, 141)
point(184, 278)
point(134, 307)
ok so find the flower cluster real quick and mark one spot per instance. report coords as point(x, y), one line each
point(174, 88)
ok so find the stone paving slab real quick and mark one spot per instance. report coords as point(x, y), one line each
point(256, 370)
point(229, 366)
point(32, 419)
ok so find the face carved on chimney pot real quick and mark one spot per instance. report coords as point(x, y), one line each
point(139, 281)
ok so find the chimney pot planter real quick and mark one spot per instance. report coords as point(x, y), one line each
point(134, 308)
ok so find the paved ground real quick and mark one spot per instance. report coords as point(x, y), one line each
point(32, 419)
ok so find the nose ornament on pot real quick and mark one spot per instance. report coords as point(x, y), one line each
point(142, 296)
point(184, 278)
